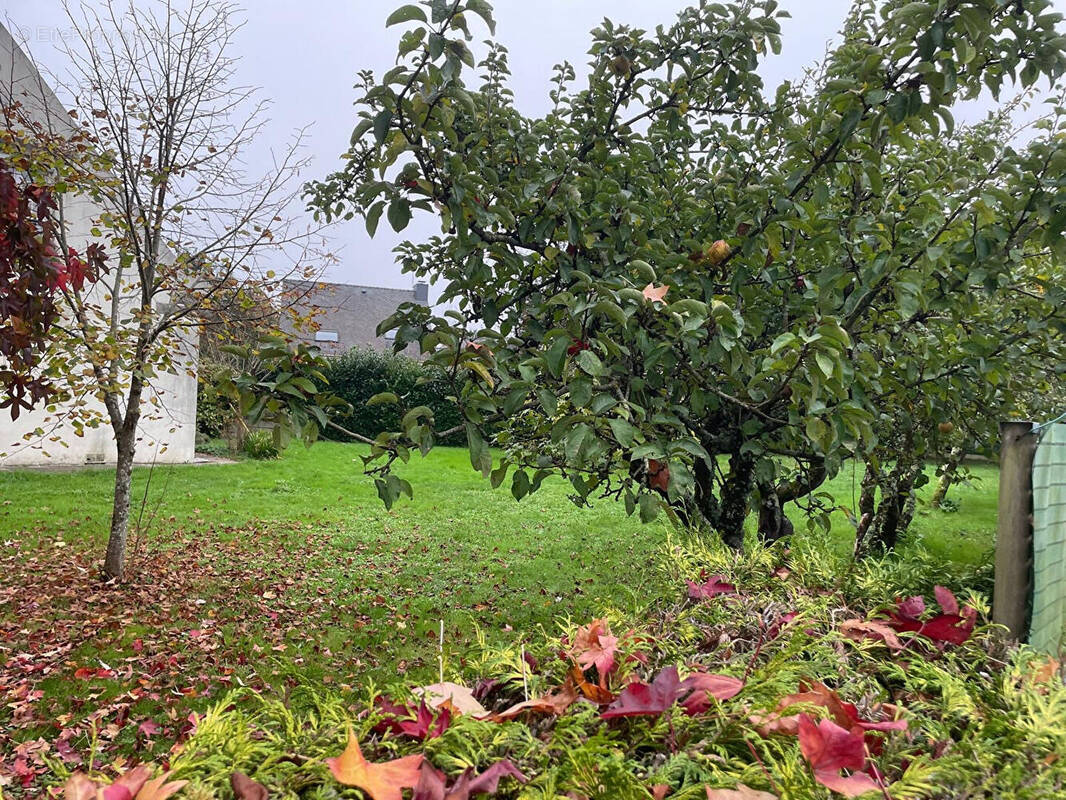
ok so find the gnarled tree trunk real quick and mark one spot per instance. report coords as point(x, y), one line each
point(736, 493)
point(895, 510)
point(773, 524)
point(947, 477)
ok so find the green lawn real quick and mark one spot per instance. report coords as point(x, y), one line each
point(324, 486)
point(267, 573)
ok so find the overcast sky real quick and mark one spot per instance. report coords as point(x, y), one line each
point(304, 54)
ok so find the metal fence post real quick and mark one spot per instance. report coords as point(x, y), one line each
point(1014, 529)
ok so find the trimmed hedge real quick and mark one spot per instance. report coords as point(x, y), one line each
point(362, 373)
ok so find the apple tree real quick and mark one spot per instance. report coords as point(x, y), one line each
point(683, 289)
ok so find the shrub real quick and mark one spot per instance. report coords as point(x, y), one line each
point(214, 447)
point(362, 373)
point(215, 414)
point(260, 445)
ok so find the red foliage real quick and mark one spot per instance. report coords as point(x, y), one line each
point(844, 714)
point(695, 693)
point(710, 588)
point(704, 686)
point(31, 274)
point(642, 699)
point(594, 646)
point(421, 723)
point(828, 748)
point(577, 347)
point(953, 625)
point(658, 475)
point(432, 783)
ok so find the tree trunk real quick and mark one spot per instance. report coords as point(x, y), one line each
point(126, 444)
point(947, 477)
point(896, 509)
point(735, 495)
point(114, 561)
point(866, 510)
point(773, 523)
point(707, 507)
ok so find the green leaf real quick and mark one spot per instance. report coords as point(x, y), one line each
point(590, 363)
point(399, 213)
point(383, 397)
point(359, 130)
point(406, 13)
point(381, 125)
point(825, 363)
point(520, 484)
point(897, 107)
point(499, 474)
point(555, 356)
point(373, 216)
point(483, 10)
point(624, 432)
point(649, 507)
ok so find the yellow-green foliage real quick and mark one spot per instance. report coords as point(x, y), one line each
point(985, 720)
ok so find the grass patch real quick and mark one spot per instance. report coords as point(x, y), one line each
point(270, 574)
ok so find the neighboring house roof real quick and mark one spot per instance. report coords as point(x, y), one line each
point(347, 315)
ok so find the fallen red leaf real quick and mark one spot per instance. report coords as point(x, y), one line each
point(421, 723)
point(953, 625)
point(828, 748)
point(702, 686)
point(712, 587)
point(432, 783)
point(554, 703)
point(244, 788)
point(642, 699)
point(858, 629)
point(844, 714)
point(594, 646)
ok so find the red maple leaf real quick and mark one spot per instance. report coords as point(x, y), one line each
point(646, 700)
point(385, 781)
point(421, 723)
point(844, 714)
point(702, 686)
point(828, 748)
point(432, 783)
point(712, 587)
point(953, 625)
point(594, 646)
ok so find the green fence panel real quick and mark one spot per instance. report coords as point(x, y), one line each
point(1049, 540)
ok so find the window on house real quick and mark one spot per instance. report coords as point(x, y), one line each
point(326, 336)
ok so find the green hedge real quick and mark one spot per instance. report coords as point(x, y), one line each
point(215, 414)
point(362, 373)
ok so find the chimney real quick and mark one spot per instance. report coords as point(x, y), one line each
point(422, 292)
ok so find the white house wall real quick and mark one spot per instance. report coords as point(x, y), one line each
point(167, 433)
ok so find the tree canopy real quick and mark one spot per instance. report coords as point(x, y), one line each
point(682, 286)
